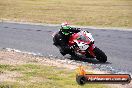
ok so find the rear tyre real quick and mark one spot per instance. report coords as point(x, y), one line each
point(62, 53)
point(74, 55)
point(100, 55)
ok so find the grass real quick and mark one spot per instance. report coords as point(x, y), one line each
point(39, 76)
point(108, 13)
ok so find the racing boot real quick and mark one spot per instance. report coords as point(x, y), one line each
point(62, 52)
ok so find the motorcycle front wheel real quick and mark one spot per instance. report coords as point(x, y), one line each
point(100, 55)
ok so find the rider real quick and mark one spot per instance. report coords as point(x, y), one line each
point(62, 38)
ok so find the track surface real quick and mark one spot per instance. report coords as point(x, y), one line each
point(36, 38)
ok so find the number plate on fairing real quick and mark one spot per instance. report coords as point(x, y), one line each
point(83, 46)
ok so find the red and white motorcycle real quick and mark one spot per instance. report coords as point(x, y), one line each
point(82, 43)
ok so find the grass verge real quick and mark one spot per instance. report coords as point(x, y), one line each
point(108, 13)
point(39, 76)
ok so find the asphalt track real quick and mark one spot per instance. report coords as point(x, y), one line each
point(37, 38)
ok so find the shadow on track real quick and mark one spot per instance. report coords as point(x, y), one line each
point(89, 60)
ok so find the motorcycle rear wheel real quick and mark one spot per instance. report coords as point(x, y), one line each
point(100, 55)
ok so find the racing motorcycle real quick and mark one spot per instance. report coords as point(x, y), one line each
point(82, 43)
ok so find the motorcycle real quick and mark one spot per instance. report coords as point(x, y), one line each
point(82, 43)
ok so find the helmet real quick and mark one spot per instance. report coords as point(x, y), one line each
point(65, 28)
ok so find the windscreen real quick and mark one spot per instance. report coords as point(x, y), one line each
point(82, 37)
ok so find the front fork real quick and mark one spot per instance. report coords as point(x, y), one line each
point(90, 50)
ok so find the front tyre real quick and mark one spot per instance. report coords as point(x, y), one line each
point(100, 55)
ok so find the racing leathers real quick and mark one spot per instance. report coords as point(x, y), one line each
point(62, 40)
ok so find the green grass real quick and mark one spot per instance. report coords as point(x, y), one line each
point(38, 76)
point(111, 13)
